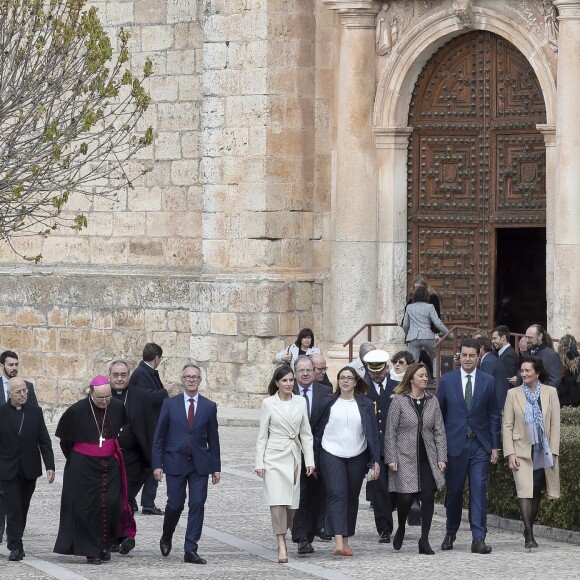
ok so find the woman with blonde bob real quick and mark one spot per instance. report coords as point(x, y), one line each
point(415, 451)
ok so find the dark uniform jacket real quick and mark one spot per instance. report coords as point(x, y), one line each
point(381, 404)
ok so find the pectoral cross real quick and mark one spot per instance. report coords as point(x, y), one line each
point(101, 440)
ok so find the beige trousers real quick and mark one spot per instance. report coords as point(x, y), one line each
point(282, 517)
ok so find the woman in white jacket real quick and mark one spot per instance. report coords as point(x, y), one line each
point(284, 434)
point(304, 345)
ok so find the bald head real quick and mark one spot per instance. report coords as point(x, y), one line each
point(17, 391)
point(319, 363)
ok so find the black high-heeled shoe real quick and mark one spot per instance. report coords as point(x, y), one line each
point(399, 537)
point(425, 548)
point(529, 541)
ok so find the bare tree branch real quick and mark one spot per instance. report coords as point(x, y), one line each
point(69, 111)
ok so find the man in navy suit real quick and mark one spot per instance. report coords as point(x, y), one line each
point(472, 425)
point(186, 447)
point(489, 363)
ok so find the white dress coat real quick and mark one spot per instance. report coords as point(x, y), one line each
point(284, 434)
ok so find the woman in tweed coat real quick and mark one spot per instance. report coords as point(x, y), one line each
point(415, 451)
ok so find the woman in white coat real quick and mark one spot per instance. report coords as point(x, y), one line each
point(284, 434)
point(304, 345)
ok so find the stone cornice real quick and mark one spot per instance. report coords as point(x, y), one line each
point(355, 14)
point(568, 9)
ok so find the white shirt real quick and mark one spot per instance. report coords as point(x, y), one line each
point(379, 385)
point(5, 387)
point(308, 389)
point(502, 349)
point(187, 403)
point(344, 435)
point(464, 380)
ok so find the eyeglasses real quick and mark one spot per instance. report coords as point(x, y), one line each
point(346, 378)
point(103, 398)
point(21, 392)
point(323, 369)
point(120, 375)
point(191, 378)
point(304, 371)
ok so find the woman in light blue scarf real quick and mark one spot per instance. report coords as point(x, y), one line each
point(531, 441)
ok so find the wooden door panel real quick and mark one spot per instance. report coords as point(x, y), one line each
point(476, 160)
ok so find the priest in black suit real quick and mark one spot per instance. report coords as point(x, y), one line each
point(9, 363)
point(23, 439)
point(146, 379)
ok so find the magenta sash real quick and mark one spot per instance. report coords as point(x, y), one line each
point(111, 448)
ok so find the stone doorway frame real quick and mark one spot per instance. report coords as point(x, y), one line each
point(399, 73)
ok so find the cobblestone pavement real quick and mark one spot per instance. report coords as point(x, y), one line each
point(237, 541)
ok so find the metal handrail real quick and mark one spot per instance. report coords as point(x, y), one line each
point(369, 326)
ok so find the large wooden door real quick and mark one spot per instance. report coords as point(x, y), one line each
point(476, 163)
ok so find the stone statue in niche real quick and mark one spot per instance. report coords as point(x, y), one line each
point(550, 14)
point(463, 10)
point(392, 20)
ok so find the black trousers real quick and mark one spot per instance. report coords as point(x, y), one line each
point(382, 501)
point(2, 511)
point(17, 495)
point(135, 471)
point(343, 479)
point(149, 490)
point(312, 505)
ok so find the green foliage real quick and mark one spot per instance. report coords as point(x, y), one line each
point(562, 513)
point(67, 123)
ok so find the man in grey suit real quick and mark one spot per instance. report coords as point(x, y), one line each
point(312, 495)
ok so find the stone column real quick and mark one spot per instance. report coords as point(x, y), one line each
point(566, 314)
point(354, 204)
point(549, 132)
point(392, 150)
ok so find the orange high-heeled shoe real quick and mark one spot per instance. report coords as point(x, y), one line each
point(347, 552)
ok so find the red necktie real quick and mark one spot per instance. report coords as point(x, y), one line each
point(190, 413)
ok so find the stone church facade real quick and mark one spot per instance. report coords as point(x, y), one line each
point(310, 158)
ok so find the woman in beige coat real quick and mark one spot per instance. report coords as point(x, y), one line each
point(531, 441)
point(284, 434)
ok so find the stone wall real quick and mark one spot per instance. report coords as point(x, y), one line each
point(219, 253)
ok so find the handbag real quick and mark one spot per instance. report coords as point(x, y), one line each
point(371, 474)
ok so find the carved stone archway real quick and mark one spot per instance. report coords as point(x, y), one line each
point(400, 70)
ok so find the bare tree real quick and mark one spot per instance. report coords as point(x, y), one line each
point(69, 110)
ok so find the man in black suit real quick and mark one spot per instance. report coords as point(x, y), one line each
point(489, 363)
point(9, 363)
point(500, 339)
point(146, 378)
point(379, 392)
point(23, 438)
point(312, 495)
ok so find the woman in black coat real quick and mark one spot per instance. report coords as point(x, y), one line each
point(346, 445)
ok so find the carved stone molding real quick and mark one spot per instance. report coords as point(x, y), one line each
point(391, 21)
point(463, 10)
